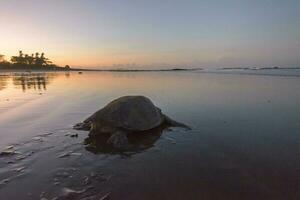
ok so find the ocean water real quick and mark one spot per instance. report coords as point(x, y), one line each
point(244, 142)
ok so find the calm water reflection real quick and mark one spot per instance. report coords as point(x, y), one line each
point(3, 81)
point(27, 81)
point(244, 143)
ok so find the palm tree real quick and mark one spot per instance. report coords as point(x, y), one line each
point(37, 59)
point(15, 59)
point(43, 61)
point(31, 59)
point(18, 59)
point(20, 54)
point(1, 58)
point(26, 59)
point(21, 58)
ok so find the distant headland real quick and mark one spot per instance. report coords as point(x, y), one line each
point(35, 61)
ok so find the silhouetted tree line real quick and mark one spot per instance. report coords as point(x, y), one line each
point(25, 61)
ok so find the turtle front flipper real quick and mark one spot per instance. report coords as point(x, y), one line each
point(119, 140)
point(85, 126)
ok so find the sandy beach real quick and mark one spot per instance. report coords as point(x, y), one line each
point(243, 143)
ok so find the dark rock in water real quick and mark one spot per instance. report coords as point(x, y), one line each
point(74, 135)
point(126, 115)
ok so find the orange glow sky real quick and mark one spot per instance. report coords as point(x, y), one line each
point(154, 34)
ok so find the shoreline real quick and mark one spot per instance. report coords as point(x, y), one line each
point(100, 70)
point(144, 70)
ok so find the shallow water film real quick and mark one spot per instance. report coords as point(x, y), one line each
point(244, 142)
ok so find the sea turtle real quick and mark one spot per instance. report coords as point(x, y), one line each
point(127, 114)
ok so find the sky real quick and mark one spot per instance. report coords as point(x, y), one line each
point(154, 33)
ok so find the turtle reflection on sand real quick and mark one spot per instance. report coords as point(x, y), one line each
point(126, 116)
point(136, 143)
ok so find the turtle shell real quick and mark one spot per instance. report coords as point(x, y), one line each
point(134, 113)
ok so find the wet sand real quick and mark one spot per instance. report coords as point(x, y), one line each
point(244, 142)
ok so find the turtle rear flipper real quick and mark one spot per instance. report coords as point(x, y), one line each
point(172, 122)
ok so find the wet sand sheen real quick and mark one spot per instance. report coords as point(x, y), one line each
point(244, 142)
